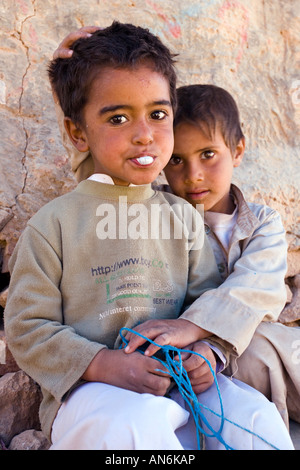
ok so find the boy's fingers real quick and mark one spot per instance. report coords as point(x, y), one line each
point(134, 342)
point(138, 337)
point(183, 356)
point(152, 349)
point(202, 387)
point(160, 340)
point(193, 362)
point(86, 31)
point(89, 29)
point(63, 51)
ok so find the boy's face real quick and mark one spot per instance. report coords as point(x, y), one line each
point(201, 167)
point(128, 124)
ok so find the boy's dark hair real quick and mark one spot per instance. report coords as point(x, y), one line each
point(118, 46)
point(209, 107)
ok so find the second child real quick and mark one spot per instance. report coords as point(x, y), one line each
point(249, 243)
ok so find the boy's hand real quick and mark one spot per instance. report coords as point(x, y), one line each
point(198, 370)
point(133, 372)
point(177, 332)
point(181, 334)
point(63, 51)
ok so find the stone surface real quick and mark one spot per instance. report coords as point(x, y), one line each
point(19, 402)
point(3, 297)
point(7, 362)
point(291, 313)
point(29, 440)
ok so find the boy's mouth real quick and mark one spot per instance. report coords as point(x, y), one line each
point(144, 160)
point(197, 194)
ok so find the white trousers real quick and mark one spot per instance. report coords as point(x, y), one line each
point(100, 416)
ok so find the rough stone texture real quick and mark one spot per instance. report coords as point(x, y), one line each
point(29, 440)
point(7, 362)
point(250, 48)
point(19, 403)
point(291, 312)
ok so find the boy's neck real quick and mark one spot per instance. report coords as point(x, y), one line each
point(103, 178)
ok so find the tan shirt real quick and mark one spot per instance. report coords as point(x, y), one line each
point(253, 269)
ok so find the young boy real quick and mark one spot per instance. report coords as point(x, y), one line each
point(79, 274)
point(248, 241)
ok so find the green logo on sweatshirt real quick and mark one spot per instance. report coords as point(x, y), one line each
point(125, 293)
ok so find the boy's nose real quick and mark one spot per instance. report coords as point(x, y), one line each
point(193, 174)
point(142, 134)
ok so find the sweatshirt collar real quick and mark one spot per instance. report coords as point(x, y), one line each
point(110, 191)
point(102, 178)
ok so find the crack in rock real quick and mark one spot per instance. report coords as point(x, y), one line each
point(23, 161)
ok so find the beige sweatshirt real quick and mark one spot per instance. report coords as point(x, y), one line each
point(91, 262)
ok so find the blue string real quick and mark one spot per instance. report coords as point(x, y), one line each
point(175, 369)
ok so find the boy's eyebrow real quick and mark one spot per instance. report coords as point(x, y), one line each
point(112, 108)
point(162, 103)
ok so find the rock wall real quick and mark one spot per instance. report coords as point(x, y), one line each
point(250, 48)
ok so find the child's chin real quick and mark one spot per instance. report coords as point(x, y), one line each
point(146, 179)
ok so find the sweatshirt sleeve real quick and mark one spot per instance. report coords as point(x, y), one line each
point(253, 292)
point(52, 353)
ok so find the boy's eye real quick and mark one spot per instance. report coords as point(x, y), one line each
point(207, 154)
point(118, 119)
point(174, 160)
point(158, 115)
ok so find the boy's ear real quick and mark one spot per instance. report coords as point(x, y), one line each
point(76, 135)
point(239, 152)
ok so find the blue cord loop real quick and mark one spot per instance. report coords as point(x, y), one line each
point(179, 375)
